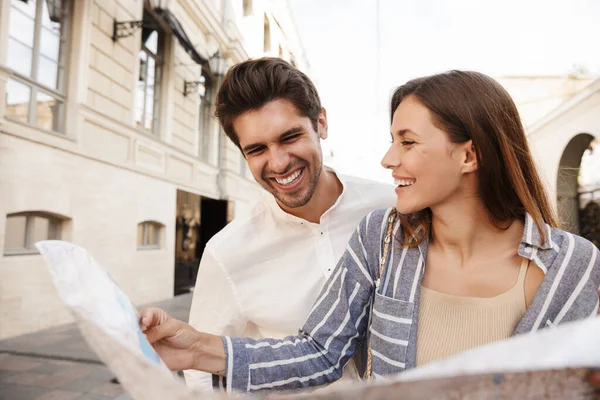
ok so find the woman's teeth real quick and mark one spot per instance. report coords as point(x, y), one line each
point(403, 182)
point(290, 179)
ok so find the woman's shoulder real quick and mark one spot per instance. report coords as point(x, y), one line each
point(375, 221)
point(567, 242)
point(371, 230)
point(573, 253)
point(572, 277)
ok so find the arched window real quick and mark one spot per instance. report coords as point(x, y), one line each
point(149, 235)
point(25, 228)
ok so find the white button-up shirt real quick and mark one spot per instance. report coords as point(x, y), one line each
point(261, 274)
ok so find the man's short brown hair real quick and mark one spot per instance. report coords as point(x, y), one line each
point(251, 84)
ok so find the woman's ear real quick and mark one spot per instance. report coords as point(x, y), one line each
point(470, 163)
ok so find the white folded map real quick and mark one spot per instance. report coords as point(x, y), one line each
point(549, 364)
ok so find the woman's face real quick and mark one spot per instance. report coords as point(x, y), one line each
point(428, 169)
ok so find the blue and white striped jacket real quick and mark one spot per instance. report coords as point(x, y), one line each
point(339, 319)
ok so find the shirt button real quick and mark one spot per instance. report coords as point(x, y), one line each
point(528, 249)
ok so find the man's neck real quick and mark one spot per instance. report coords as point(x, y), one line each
point(329, 189)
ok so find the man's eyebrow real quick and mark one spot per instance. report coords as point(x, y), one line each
point(250, 147)
point(291, 131)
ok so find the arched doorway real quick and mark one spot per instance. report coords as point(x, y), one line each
point(567, 184)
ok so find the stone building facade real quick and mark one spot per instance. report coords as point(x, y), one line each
point(107, 139)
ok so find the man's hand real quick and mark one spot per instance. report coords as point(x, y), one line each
point(179, 345)
point(174, 340)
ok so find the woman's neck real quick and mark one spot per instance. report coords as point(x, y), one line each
point(464, 227)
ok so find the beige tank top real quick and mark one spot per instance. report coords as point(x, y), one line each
point(451, 324)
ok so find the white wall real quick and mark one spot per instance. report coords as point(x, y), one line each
point(105, 205)
point(549, 138)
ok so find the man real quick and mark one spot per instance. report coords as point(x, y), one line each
point(261, 274)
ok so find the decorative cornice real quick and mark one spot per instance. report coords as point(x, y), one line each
point(578, 98)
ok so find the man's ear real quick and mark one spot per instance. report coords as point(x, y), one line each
point(322, 123)
point(469, 163)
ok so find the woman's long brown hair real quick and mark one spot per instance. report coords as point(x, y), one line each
point(472, 106)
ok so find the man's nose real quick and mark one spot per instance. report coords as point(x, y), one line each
point(279, 160)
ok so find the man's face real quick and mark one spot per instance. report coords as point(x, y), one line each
point(283, 150)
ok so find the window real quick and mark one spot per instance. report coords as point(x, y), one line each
point(149, 235)
point(24, 229)
point(247, 7)
point(37, 52)
point(206, 122)
point(148, 86)
point(267, 38)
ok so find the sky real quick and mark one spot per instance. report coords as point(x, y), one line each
point(360, 50)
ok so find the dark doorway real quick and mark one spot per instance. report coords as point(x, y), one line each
point(214, 218)
point(198, 219)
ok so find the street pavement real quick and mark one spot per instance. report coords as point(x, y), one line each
point(56, 363)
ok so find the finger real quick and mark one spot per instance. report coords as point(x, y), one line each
point(162, 331)
point(152, 316)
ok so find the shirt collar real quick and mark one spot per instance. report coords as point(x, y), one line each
point(532, 236)
point(284, 216)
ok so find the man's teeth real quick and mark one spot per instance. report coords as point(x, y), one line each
point(403, 182)
point(290, 178)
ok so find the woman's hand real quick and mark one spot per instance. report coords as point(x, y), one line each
point(179, 345)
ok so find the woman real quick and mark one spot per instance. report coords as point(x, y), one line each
point(470, 254)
